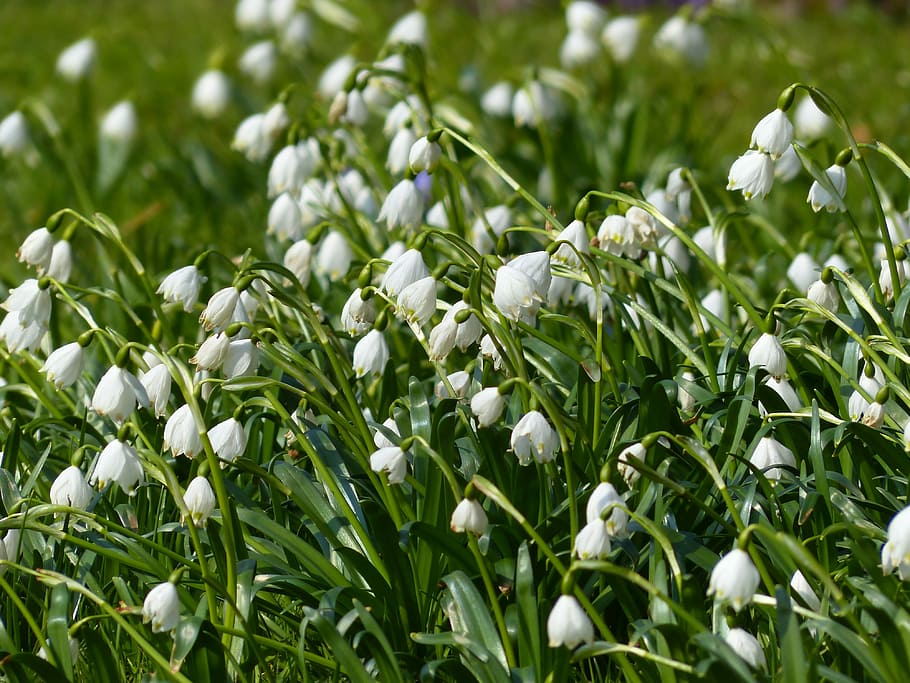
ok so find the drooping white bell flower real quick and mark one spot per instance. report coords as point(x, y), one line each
point(370, 354)
point(768, 353)
point(211, 94)
point(334, 256)
point(469, 516)
point(212, 352)
point(626, 462)
point(824, 294)
point(773, 134)
point(403, 271)
point(357, 314)
point(403, 206)
point(182, 286)
point(460, 382)
point(76, 62)
point(417, 301)
point(296, 34)
point(682, 39)
point(71, 489)
point(219, 311)
point(487, 406)
point(620, 36)
point(200, 501)
point(289, 171)
point(181, 434)
point(14, 138)
point(535, 265)
point(37, 249)
point(576, 237)
point(162, 608)
point(391, 460)
point(298, 259)
point(118, 462)
point(335, 76)
point(31, 302)
point(411, 29)
point(489, 350)
point(120, 123)
point(578, 49)
point(802, 271)
point(568, 624)
point(252, 15)
point(896, 550)
point(228, 439)
point(534, 104)
point(592, 541)
point(605, 498)
point(734, 579)
point(19, 337)
point(811, 122)
point(785, 390)
point(118, 393)
point(753, 173)
point(771, 456)
point(157, 383)
point(61, 265)
point(242, 359)
point(497, 100)
point(788, 166)
point(380, 440)
point(820, 198)
point(64, 365)
point(250, 138)
point(618, 236)
point(584, 15)
point(884, 276)
point(258, 62)
point(499, 218)
point(285, 220)
point(747, 647)
point(514, 294)
point(424, 155)
point(533, 437)
point(804, 590)
point(397, 158)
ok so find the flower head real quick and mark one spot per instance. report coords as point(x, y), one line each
point(773, 134)
point(71, 489)
point(820, 198)
point(118, 462)
point(469, 516)
point(734, 579)
point(768, 353)
point(75, 63)
point(771, 456)
point(181, 436)
point(487, 405)
point(200, 500)
point(120, 123)
point(219, 311)
point(14, 136)
point(228, 439)
point(747, 647)
point(391, 460)
point(753, 173)
point(64, 365)
point(896, 551)
point(606, 498)
point(118, 393)
point(157, 383)
point(211, 94)
point(403, 206)
point(371, 354)
point(162, 607)
point(568, 624)
point(593, 541)
point(403, 271)
point(533, 437)
point(182, 286)
point(37, 249)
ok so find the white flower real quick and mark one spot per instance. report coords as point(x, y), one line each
point(371, 354)
point(618, 236)
point(449, 333)
point(288, 172)
point(620, 35)
point(811, 122)
point(874, 416)
point(37, 249)
point(14, 137)
point(250, 138)
point(118, 393)
point(31, 301)
point(499, 219)
point(335, 76)
point(228, 439)
point(181, 435)
point(513, 294)
point(574, 235)
point(403, 206)
point(182, 286)
point(19, 337)
point(333, 259)
point(242, 359)
point(593, 541)
point(734, 579)
point(275, 120)
point(76, 62)
point(820, 198)
point(211, 94)
point(410, 29)
point(417, 301)
point(391, 460)
point(488, 350)
point(296, 33)
point(487, 405)
point(568, 624)
point(783, 388)
point(285, 220)
point(825, 295)
point(258, 62)
point(120, 123)
point(682, 39)
point(298, 259)
point(219, 311)
point(200, 501)
point(578, 49)
point(212, 352)
point(768, 353)
point(535, 265)
point(460, 382)
point(252, 15)
point(533, 104)
point(61, 262)
point(424, 155)
point(773, 134)
point(626, 462)
point(118, 462)
point(896, 551)
point(355, 108)
point(403, 271)
point(64, 365)
point(162, 607)
point(770, 456)
point(400, 149)
point(157, 383)
point(357, 314)
point(71, 489)
point(497, 100)
point(468, 516)
point(753, 173)
point(747, 647)
point(857, 405)
point(380, 439)
point(884, 276)
point(802, 271)
point(533, 437)
point(584, 15)
point(788, 166)
point(604, 498)
point(804, 590)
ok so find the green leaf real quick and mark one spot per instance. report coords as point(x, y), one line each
point(793, 660)
point(469, 615)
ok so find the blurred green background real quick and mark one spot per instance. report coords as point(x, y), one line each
point(185, 188)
